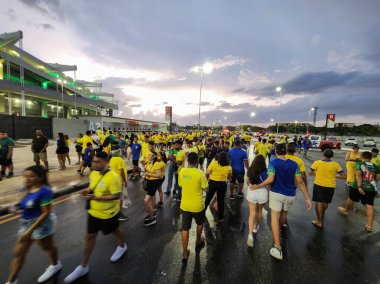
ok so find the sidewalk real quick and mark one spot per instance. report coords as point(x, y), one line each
point(61, 181)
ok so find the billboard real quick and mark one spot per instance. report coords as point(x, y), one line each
point(330, 121)
point(168, 113)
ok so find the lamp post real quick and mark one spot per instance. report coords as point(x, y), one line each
point(206, 68)
point(280, 90)
point(253, 114)
point(295, 122)
point(308, 119)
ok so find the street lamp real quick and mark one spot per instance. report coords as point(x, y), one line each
point(206, 68)
point(308, 120)
point(295, 122)
point(280, 90)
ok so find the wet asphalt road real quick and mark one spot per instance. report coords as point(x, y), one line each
point(340, 253)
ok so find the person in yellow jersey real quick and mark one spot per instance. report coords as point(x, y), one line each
point(153, 175)
point(117, 165)
point(79, 146)
point(161, 161)
point(193, 183)
point(179, 164)
point(325, 172)
point(68, 144)
point(191, 147)
point(270, 149)
point(103, 195)
point(219, 172)
point(256, 146)
point(290, 150)
point(263, 148)
point(351, 159)
point(376, 161)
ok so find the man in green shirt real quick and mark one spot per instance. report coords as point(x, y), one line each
point(363, 188)
point(6, 151)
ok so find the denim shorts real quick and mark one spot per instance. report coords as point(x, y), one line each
point(46, 228)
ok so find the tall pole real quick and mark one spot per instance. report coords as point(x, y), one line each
point(63, 110)
point(279, 110)
point(200, 100)
point(9, 78)
point(308, 120)
point(75, 91)
point(23, 111)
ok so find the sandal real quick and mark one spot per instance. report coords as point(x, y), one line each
point(369, 229)
point(317, 224)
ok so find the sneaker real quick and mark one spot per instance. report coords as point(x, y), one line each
point(14, 282)
point(49, 272)
point(78, 272)
point(150, 222)
point(250, 241)
point(10, 175)
point(160, 204)
point(147, 217)
point(240, 194)
point(232, 197)
point(256, 229)
point(118, 253)
point(276, 253)
point(122, 217)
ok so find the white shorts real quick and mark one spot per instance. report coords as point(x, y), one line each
point(279, 202)
point(259, 196)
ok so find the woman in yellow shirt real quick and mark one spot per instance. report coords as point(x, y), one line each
point(219, 172)
point(351, 159)
point(68, 144)
point(161, 165)
point(153, 175)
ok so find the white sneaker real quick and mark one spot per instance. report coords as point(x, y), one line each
point(119, 253)
point(256, 229)
point(14, 282)
point(250, 241)
point(78, 272)
point(276, 253)
point(49, 272)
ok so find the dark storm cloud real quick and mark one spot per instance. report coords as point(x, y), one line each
point(49, 8)
point(46, 26)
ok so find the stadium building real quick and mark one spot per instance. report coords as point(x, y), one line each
point(31, 87)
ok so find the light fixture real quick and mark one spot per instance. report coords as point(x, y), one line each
point(253, 114)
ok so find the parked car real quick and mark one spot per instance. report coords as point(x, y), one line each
point(351, 142)
point(315, 140)
point(329, 143)
point(370, 142)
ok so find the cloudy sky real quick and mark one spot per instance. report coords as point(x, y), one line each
point(323, 53)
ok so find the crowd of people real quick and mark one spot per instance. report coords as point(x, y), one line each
point(200, 169)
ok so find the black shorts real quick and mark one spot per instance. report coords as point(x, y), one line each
point(187, 218)
point(78, 149)
point(107, 226)
point(366, 199)
point(5, 162)
point(201, 161)
point(322, 194)
point(162, 180)
point(152, 186)
point(135, 163)
point(239, 177)
point(86, 164)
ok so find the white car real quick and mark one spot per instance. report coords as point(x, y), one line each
point(351, 142)
point(370, 142)
point(315, 140)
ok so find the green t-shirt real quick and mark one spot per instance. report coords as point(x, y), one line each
point(369, 172)
point(173, 152)
point(4, 145)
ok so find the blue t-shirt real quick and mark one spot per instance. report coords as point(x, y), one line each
point(284, 172)
point(87, 155)
point(263, 176)
point(136, 150)
point(122, 143)
point(32, 202)
point(237, 157)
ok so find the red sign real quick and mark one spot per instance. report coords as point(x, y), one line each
point(330, 121)
point(168, 113)
point(132, 122)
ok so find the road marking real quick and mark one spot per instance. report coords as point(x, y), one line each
point(18, 215)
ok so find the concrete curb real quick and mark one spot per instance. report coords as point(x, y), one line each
point(64, 191)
